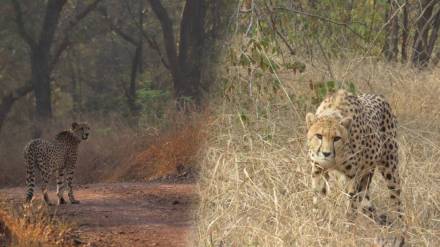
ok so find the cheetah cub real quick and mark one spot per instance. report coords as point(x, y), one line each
point(354, 135)
point(58, 155)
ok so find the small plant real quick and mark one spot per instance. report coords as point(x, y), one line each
point(34, 225)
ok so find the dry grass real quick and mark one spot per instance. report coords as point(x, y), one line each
point(34, 225)
point(174, 150)
point(255, 179)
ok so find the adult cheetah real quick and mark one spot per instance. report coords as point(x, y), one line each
point(354, 135)
point(57, 156)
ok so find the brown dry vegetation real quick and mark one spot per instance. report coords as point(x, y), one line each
point(255, 179)
point(174, 151)
point(34, 226)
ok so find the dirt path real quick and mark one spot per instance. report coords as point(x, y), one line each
point(129, 214)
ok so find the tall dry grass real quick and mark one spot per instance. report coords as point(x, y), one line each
point(34, 226)
point(255, 185)
point(173, 151)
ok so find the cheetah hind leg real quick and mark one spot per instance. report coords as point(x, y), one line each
point(45, 194)
point(45, 176)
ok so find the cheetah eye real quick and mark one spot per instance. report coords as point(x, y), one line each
point(336, 138)
point(319, 136)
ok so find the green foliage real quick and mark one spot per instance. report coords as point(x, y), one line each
point(296, 66)
point(258, 53)
point(153, 102)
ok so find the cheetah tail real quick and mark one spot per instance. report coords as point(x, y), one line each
point(30, 176)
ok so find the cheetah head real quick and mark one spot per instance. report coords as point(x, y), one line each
point(327, 139)
point(80, 130)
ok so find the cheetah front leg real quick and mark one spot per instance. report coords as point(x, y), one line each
point(60, 187)
point(319, 183)
point(359, 192)
point(69, 171)
point(70, 189)
point(391, 175)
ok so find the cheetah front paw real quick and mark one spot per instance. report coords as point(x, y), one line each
point(74, 201)
point(61, 201)
point(383, 220)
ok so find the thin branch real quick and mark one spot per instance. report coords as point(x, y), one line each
point(115, 27)
point(65, 43)
point(61, 48)
point(50, 23)
point(168, 35)
point(155, 46)
point(347, 26)
point(124, 35)
point(8, 100)
point(326, 58)
point(21, 27)
point(81, 15)
point(277, 31)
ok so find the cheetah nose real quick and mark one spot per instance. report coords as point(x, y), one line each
point(326, 154)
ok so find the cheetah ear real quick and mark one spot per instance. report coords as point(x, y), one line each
point(310, 118)
point(74, 125)
point(346, 122)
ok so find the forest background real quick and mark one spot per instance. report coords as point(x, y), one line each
point(223, 87)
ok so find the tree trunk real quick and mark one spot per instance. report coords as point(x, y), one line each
point(434, 33)
point(9, 100)
point(43, 54)
point(40, 56)
point(391, 44)
point(423, 43)
point(41, 85)
point(191, 51)
point(405, 31)
point(75, 86)
point(135, 65)
point(185, 66)
point(168, 36)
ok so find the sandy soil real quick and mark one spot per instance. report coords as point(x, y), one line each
point(128, 214)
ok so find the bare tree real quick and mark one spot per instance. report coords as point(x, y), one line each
point(426, 34)
point(136, 39)
point(391, 45)
point(45, 49)
point(184, 58)
point(9, 99)
point(405, 31)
